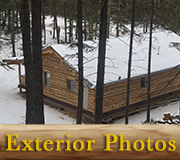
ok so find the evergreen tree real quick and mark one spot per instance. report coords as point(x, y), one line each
point(130, 61)
point(65, 21)
point(35, 114)
point(101, 62)
point(28, 59)
point(149, 62)
point(12, 29)
point(43, 22)
point(80, 62)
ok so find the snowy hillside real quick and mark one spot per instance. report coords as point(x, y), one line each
point(12, 105)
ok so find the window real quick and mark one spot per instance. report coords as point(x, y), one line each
point(144, 82)
point(47, 78)
point(71, 85)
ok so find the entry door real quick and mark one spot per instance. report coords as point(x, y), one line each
point(85, 97)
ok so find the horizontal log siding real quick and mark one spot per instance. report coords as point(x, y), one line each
point(115, 94)
point(60, 71)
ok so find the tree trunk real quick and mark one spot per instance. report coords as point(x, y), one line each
point(4, 20)
point(117, 29)
point(9, 20)
point(117, 19)
point(76, 31)
point(57, 32)
point(85, 30)
point(44, 27)
point(96, 31)
point(54, 28)
point(17, 19)
point(28, 58)
point(55, 23)
point(130, 60)
point(65, 21)
point(90, 30)
point(80, 62)
point(12, 30)
point(36, 113)
point(0, 17)
point(70, 31)
point(101, 62)
point(149, 63)
point(108, 19)
point(145, 24)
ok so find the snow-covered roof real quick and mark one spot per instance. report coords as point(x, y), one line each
point(117, 52)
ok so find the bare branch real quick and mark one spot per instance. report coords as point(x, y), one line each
point(7, 67)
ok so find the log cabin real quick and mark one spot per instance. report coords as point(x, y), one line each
point(60, 86)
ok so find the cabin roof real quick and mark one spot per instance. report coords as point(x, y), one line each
point(144, 75)
point(117, 51)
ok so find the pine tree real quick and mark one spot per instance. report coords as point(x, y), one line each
point(130, 61)
point(65, 21)
point(43, 22)
point(28, 59)
point(35, 114)
point(80, 62)
point(12, 29)
point(101, 62)
point(149, 62)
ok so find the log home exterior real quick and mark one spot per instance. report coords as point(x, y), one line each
point(164, 84)
point(63, 85)
point(60, 81)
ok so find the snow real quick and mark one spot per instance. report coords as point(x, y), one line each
point(13, 106)
point(117, 50)
point(15, 58)
point(156, 113)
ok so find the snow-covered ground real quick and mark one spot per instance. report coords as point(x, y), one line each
point(12, 105)
point(156, 114)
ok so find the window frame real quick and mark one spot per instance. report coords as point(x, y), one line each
point(47, 78)
point(71, 85)
point(144, 82)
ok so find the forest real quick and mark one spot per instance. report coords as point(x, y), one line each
point(166, 15)
point(83, 20)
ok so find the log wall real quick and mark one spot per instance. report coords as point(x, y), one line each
point(115, 93)
point(60, 72)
